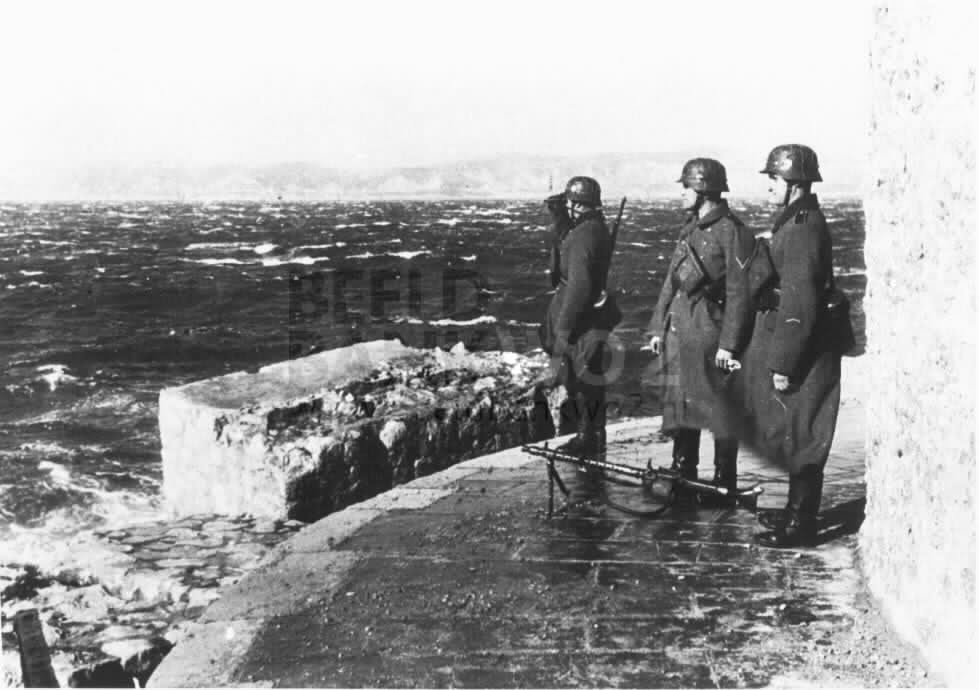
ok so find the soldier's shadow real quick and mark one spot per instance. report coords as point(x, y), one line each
point(841, 520)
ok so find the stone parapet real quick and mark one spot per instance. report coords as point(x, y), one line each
point(303, 438)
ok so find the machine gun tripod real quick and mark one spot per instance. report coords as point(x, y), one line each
point(644, 479)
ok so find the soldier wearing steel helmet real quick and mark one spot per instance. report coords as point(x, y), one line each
point(702, 321)
point(792, 367)
point(575, 330)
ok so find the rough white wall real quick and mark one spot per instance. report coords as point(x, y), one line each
point(919, 538)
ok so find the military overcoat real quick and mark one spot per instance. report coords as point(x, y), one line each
point(794, 428)
point(694, 324)
point(574, 327)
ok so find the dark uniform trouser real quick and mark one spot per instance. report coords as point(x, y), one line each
point(686, 456)
point(582, 374)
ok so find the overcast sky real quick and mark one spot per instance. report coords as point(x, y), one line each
point(364, 84)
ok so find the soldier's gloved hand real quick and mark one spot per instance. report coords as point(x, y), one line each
point(656, 345)
point(555, 201)
point(780, 381)
point(557, 207)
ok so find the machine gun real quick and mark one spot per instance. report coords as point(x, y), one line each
point(643, 479)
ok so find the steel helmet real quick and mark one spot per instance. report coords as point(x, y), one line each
point(793, 163)
point(584, 190)
point(704, 175)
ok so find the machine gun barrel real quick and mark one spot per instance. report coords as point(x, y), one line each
point(593, 463)
point(647, 474)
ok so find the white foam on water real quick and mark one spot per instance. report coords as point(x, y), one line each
point(349, 225)
point(471, 257)
point(637, 244)
point(451, 222)
point(364, 255)
point(381, 223)
point(45, 448)
point(99, 402)
point(218, 262)
point(197, 246)
point(265, 248)
point(408, 255)
point(32, 273)
point(329, 245)
point(55, 374)
point(302, 260)
point(60, 474)
point(469, 322)
point(65, 539)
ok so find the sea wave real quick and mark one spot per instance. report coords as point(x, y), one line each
point(408, 255)
point(328, 245)
point(200, 246)
point(468, 322)
point(301, 260)
point(220, 262)
point(55, 375)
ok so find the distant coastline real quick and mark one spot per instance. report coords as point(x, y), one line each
point(515, 177)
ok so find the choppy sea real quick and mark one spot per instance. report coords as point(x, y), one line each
point(102, 305)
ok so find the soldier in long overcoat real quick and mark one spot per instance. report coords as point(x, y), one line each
point(581, 315)
point(791, 369)
point(701, 323)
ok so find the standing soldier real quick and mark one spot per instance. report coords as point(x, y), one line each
point(702, 321)
point(575, 331)
point(792, 367)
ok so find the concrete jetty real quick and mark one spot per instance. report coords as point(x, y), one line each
point(459, 579)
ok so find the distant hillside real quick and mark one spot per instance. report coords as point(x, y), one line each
point(635, 175)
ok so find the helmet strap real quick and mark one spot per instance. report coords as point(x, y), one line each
point(698, 204)
point(789, 187)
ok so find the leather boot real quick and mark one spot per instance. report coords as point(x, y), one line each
point(798, 530)
point(772, 519)
point(797, 526)
point(725, 474)
point(686, 457)
point(589, 440)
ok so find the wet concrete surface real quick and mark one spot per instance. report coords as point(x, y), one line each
point(480, 589)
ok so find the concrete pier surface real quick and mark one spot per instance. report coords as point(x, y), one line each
point(459, 579)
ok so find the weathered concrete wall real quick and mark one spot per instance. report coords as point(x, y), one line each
point(919, 539)
point(303, 438)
